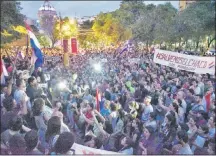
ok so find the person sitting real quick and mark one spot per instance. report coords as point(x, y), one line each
point(31, 139)
point(64, 144)
point(94, 142)
point(127, 145)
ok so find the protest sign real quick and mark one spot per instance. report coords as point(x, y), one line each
point(84, 150)
point(196, 64)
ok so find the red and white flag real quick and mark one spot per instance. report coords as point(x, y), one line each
point(208, 101)
point(3, 71)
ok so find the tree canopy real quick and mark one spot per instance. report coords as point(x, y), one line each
point(163, 24)
point(10, 16)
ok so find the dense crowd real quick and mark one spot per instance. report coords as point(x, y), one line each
point(145, 108)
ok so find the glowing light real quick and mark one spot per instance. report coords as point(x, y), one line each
point(65, 28)
point(97, 67)
point(61, 85)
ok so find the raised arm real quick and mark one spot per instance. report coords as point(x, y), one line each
point(100, 116)
point(98, 125)
point(162, 106)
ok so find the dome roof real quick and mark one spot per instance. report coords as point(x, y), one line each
point(46, 7)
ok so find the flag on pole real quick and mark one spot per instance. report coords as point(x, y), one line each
point(98, 100)
point(37, 59)
point(208, 101)
point(3, 71)
point(126, 47)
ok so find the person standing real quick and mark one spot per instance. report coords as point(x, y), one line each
point(147, 109)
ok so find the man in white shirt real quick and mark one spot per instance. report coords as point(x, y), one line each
point(200, 85)
point(4, 91)
point(180, 96)
point(147, 109)
point(21, 97)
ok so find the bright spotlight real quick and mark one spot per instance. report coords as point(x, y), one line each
point(97, 67)
point(61, 85)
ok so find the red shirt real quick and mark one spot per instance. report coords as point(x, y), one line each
point(88, 115)
point(10, 69)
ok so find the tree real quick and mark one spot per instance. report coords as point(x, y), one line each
point(109, 30)
point(64, 29)
point(164, 20)
point(129, 12)
point(43, 40)
point(47, 23)
point(10, 16)
point(199, 19)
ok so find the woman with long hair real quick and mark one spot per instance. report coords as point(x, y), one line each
point(41, 119)
point(168, 131)
point(119, 121)
point(136, 131)
point(52, 132)
point(147, 142)
point(192, 127)
point(126, 145)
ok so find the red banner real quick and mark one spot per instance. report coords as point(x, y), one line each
point(65, 45)
point(74, 45)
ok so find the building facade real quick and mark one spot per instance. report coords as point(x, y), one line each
point(184, 3)
point(47, 16)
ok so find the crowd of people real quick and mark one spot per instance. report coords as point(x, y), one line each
point(130, 105)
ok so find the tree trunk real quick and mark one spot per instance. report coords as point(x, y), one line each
point(160, 44)
point(186, 44)
point(209, 43)
point(197, 45)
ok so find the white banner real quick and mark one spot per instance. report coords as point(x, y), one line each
point(197, 64)
point(84, 150)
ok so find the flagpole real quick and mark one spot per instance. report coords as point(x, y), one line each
point(27, 45)
point(61, 31)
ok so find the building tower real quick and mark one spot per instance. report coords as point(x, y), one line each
point(47, 16)
point(184, 3)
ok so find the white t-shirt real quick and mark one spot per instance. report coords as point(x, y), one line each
point(197, 90)
point(19, 95)
point(114, 114)
point(2, 98)
point(184, 105)
point(201, 85)
point(147, 110)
